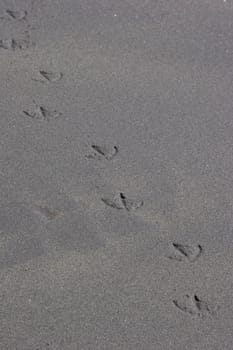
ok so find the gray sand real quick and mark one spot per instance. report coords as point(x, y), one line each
point(116, 169)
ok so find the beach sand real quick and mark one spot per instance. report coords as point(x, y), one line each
point(116, 175)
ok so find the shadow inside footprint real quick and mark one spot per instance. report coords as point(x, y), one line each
point(105, 152)
point(130, 204)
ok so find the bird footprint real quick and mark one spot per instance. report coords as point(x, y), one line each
point(49, 76)
point(194, 305)
point(17, 15)
point(103, 152)
point(121, 201)
point(186, 252)
point(42, 113)
point(15, 44)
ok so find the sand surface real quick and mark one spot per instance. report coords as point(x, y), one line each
point(116, 175)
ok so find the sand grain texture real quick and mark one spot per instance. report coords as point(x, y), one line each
point(116, 172)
